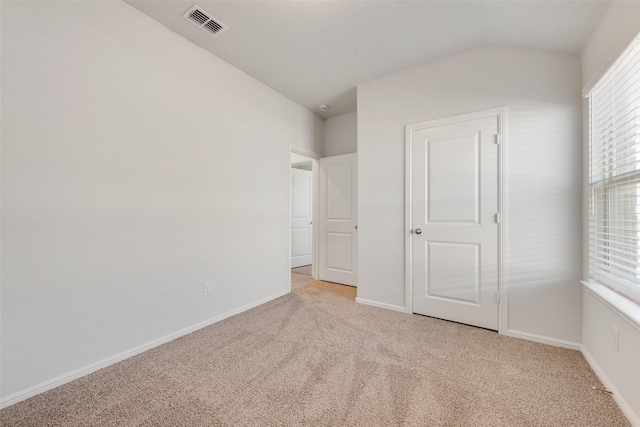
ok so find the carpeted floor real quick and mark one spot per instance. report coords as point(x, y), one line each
point(298, 280)
point(305, 269)
point(314, 357)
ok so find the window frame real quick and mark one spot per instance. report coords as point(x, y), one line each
point(614, 176)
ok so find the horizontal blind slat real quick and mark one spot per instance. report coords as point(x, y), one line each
point(614, 174)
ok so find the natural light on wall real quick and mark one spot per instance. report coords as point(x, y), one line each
point(614, 176)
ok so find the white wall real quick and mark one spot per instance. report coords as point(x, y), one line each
point(542, 92)
point(341, 134)
point(305, 166)
point(120, 191)
point(618, 369)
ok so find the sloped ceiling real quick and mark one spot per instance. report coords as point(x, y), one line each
point(317, 52)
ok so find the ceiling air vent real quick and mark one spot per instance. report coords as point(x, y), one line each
point(205, 21)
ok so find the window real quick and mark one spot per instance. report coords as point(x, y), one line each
point(614, 176)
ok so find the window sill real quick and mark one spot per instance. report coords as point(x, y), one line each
point(620, 304)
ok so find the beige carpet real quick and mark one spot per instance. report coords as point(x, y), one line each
point(316, 358)
point(305, 269)
point(299, 280)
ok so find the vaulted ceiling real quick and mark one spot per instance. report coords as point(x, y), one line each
point(317, 52)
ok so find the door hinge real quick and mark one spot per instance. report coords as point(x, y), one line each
point(497, 139)
point(497, 218)
point(497, 297)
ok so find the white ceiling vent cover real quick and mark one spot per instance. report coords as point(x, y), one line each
point(205, 21)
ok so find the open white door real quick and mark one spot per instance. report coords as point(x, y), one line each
point(454, 219)
point(301, 217)
point(338, 219)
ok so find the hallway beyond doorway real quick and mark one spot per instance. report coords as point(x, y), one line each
point(301, 276)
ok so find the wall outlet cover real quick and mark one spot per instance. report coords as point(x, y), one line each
point(207, 289)
point(615, 338)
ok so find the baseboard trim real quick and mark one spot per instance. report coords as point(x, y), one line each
point(78, 373)
point(633, 418)
point(382, 305)
point(543, 340)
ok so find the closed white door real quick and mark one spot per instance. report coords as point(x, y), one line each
point(454, 190)
point(338, 219)
point(301, 217)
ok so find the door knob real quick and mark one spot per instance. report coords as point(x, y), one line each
point(418, 231)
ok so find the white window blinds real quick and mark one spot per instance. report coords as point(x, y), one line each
point(614, 175)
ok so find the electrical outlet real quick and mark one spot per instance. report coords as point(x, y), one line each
point(207, 289)
point(615, 338)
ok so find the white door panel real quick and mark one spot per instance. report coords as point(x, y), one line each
point(454, 206)
point(454, 271)
point(453, 185)
point(340, 251)
point(338, 219)
point(339, 191)
point(300, 243)
point(301, 217)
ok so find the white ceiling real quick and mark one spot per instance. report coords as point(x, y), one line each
point(317, 52)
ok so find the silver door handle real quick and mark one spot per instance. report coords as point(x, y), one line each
point(418, 231)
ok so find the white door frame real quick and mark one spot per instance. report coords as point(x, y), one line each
point(314, 226)
point(501, 113)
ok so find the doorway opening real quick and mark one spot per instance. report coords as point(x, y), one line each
point(302, 213)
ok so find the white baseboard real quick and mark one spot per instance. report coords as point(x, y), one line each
point(543, 340)
point(383, 305)
point(633, 418)
point(78, 373)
